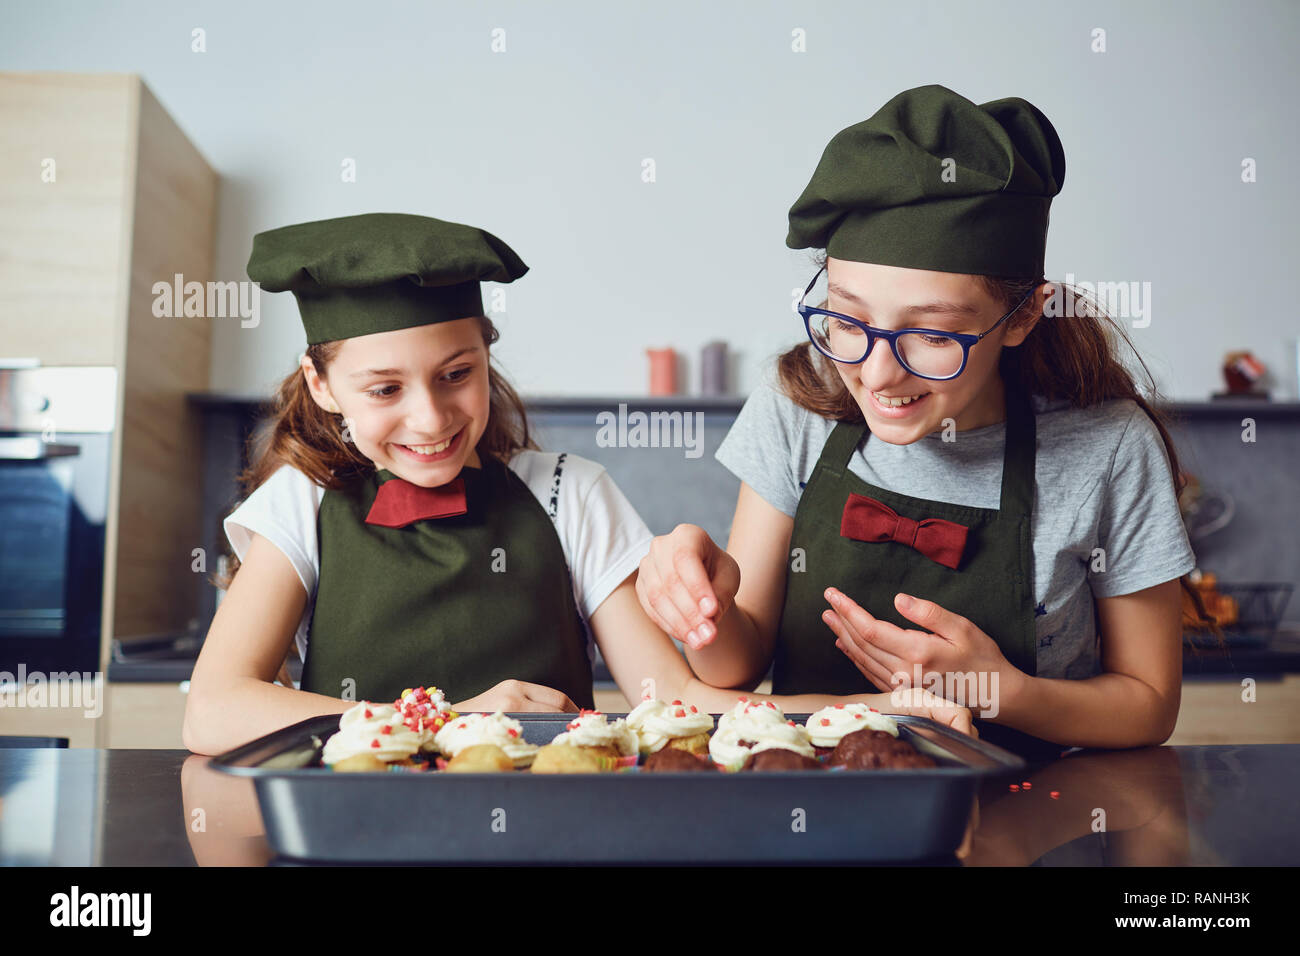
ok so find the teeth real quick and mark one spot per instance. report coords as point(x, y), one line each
point(431, 449)
point(895, 402)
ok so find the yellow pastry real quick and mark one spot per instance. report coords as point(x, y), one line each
point(481, 758)
point(590, 730)
point(358, 763)
point(678, 725)
point(563, 758)
point(470, 729)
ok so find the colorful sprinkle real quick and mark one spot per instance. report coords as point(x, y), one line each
point(676, 703)
point(375, 743)
point(693, 709)
point(368, 713)
point(679, 712)
point(1015, 787)
point(386, 729)
point(825, 722)
point(1027, 785)
point(1055, 794)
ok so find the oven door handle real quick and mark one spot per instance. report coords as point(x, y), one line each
point(33, 449)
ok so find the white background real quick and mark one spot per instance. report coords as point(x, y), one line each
point(543, 145)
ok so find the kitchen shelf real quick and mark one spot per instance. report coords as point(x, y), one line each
point(1187, 411)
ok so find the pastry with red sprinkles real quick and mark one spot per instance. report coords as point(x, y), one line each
point(470, 729)
point(752, 727)
point(371, 737)
point(829, 725)
point(675, 724)
point(425, 711)
point(592, 730)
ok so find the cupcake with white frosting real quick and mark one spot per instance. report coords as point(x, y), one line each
point(371, 737)
point(675, 724)
point(593, 731)
point(828, 726)
point(425, 711)
point(752, 727)
point(468, 730)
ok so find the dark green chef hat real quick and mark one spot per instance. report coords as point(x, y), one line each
point(381, 271)
point(932, 181)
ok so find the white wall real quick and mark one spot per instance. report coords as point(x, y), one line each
point(543, 146)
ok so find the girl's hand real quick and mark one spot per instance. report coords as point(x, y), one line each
point(686, 583)
point(516, 696)
point(921, 703)
point(889, 656)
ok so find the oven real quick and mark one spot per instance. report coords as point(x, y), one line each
point(56, 438)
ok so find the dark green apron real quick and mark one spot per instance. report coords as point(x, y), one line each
point(992, 585)
point(423, 605)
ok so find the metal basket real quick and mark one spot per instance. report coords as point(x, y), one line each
point(1259, 612)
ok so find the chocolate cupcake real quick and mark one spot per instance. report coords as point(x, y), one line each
point(874, 750)
point(750, 728)
point(673, 760)
point(778, 759)
point(828, 726)
point(910, 761)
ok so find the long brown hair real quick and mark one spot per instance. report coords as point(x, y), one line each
point(1077, 361)
point(300, 433)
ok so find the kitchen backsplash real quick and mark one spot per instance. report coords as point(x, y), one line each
point(1262, 477)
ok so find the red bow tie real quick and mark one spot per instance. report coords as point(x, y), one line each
point(866, 519)
point(399, 502)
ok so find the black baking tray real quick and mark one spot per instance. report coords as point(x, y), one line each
point(313, 813)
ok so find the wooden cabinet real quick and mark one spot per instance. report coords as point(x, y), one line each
point(146, 716)
point(1213, 712)
point(102, 196)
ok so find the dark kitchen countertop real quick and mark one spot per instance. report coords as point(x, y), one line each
point(1168, 806)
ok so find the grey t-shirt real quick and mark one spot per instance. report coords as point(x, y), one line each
point(1102, 481)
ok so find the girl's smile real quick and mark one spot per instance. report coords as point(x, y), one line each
point(435, 451)
point(897, 406)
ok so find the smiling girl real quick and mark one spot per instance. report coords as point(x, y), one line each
point(402, 529)
point(944, 484)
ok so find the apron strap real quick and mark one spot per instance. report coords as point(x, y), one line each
point(844, 440)
point(1021, 449)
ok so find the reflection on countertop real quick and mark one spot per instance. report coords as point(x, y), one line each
point(1167, 806)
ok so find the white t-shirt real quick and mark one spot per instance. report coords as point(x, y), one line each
point(603, 537)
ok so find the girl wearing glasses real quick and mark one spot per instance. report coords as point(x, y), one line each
point(947, 486)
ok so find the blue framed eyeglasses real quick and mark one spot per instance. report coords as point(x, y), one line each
point(927, 353)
